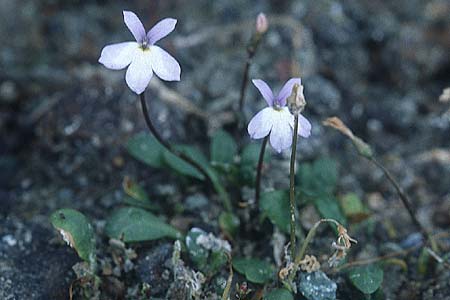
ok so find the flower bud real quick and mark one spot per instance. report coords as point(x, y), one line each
point(362, 147)
point(261, 23)
point(296, 101)
point(445, 97)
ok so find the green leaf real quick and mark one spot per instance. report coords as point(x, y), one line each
point(279, 294)
point(249, 161)
point(275, 205)
point(328, 208)
point(255, 270)
point(367, 278)
point(183, 167)
point(137, 196)
point(229, 223)
point(147, 149)
point(353, 208)
point(318, 178)
point(317, 286)
point(186, 169)
point(325, 171)
point(207, 260)
point(132, 224)
point(250, 154)
point(223, 148)
point(77, 231)
point(197, 253)
point(424, 262)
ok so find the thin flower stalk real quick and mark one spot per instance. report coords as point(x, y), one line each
point(261, 28)
point(282, 122)
point(366, 151)
point(292, 186)
point(295, 103)
point(259, 170)
point(143, 58)
point(181, 155)
point(405, 199)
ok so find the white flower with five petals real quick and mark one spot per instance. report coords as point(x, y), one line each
point(276, 119)
point(142, 57)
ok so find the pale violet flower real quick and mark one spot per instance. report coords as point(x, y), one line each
point(276, 119)
point(142, 57)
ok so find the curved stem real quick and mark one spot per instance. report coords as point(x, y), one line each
point(251, 51)
point(181, 155)
point(244, 82)
point(404, 198)
point(298, 258)
point(292, 186)
point(309, 237)
point(259, 170)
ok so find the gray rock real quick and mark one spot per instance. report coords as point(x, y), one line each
point(30, 267)
point(317, 286)
point(152, 269)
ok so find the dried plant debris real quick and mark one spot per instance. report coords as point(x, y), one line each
point(309, 264)
point(186, 280)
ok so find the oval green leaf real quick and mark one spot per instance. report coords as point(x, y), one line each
point(367, 279)
point(132, 224)
point(255, 270)
point(229, 223)
point(328, 208)
point(182, 167)
point(275, 205)
point(279, 294)
point(223, 147)
point(147, 149)
point(76, 231)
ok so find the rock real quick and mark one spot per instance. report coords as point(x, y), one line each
point(324, 97)
point(317, 286)
point(329, 21)
point(438, 288)
point(154, 268)
point(30, 267)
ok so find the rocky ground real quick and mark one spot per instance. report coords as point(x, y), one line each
point(64, 120)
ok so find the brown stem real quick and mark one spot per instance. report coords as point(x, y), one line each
point(404, 198)
point(259, 170)
point(292, 186)
point(180, 154)
point(251, 51)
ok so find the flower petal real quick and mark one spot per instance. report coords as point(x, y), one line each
point(118, 56)
point(261, 124)
point(139, 72)
point(286, 90)
point(164, 65)
point(134, 25)
point(265, 90)
point(304, 127)
point(281, 134)
point(160, 30)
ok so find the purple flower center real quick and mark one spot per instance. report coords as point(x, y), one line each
point(145, 43)
point(277, 104)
